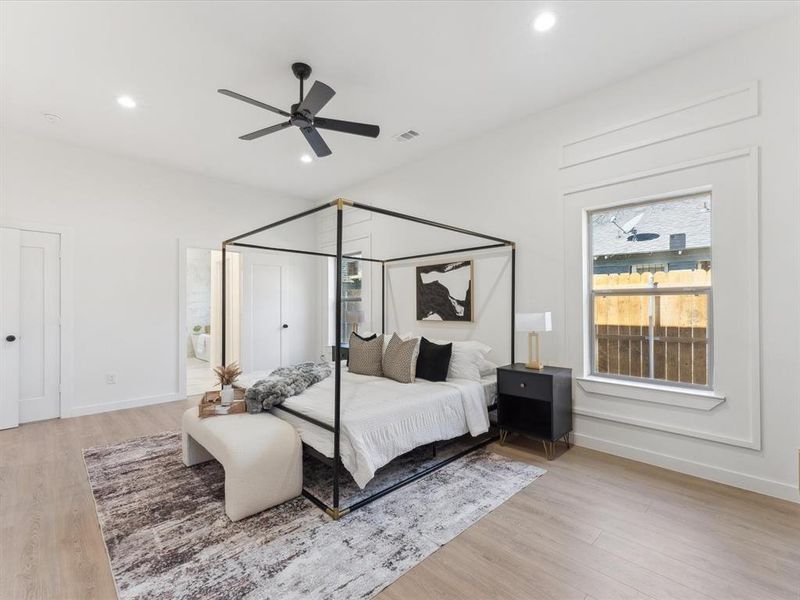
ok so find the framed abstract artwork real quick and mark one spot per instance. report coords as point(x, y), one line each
point(444, 291)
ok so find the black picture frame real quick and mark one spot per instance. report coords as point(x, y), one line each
point(435, 297)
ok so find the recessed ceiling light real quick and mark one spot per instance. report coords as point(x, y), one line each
point(126, 102)
point(306, 158)
point(544, 22)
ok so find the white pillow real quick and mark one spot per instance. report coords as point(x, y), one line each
point(487, 368)
point(466, 359)
point(475, 344)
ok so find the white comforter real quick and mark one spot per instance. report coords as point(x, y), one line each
point(382, 419)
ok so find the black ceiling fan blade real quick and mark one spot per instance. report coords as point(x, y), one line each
point(348, 127)
point(265, 131)
point(318, 96)
point(254, 102)
point(316, 142)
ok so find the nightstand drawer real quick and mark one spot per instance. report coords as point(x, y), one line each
point(525, 385)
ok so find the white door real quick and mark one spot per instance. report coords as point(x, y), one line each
point(264, 328)
point(30, 347)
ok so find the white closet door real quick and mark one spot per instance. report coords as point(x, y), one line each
point(31, 308)
point(265, 329)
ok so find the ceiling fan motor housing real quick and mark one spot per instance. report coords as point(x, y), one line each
point(300, 119)
point(301, 70)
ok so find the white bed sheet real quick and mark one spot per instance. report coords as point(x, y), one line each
point(382, 419)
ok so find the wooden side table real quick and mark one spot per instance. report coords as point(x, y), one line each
point(535, 403)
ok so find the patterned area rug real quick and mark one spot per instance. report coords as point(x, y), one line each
point(168, 537)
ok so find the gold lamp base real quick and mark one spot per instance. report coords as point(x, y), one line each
point(533, 360)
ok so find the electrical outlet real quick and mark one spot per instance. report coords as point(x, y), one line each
point(111, 378)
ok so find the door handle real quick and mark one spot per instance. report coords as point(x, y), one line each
point(285, 326)
point(11, 338)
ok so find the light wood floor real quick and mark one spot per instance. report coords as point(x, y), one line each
point(594, 527)
point(200, 377)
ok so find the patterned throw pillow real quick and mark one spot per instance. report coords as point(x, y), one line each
point(398, 360)
point(366, 338)
point(366, 355)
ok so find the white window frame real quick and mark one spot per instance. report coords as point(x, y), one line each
point(591, 294)
point(356, 246)
point(361, 301)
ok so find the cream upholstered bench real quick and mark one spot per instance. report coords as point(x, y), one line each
point(261, 454)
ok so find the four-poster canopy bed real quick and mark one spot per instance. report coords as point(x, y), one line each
point(335, 510)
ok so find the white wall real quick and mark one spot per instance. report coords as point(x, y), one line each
point(384, 237)
point(510, 183)
point(126, 219)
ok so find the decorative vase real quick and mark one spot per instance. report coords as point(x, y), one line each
point(226, 395)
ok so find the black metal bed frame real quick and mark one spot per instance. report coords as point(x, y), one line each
point(336, 511)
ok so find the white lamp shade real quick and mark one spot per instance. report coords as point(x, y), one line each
point(534, 321)
point(354, 316)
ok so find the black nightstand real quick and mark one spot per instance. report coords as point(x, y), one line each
point(536, 403)
point(344, 352)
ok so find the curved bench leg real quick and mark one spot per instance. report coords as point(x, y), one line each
point(249, 489)
point(193, 452)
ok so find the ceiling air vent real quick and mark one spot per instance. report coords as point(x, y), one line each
point(406, 136)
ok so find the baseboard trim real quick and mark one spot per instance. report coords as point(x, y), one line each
point(92, 409)
point(768, 487)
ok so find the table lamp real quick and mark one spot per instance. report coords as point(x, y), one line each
point(354, 316)
point(533, 323)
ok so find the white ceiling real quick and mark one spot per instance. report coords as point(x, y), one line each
point(450, 70)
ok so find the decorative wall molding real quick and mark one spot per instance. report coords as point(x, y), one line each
point(752, 393)
point(701, 114)
point(684, 431)
point(351, 216)
point(761, 485)
point(689, 164)
point(704, 400)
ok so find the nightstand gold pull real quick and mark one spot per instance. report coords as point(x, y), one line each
point(522, 385)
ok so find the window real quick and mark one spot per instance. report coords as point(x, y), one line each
point(352, 307)
point(650, 291)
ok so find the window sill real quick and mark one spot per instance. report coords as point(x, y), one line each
point(648, 392)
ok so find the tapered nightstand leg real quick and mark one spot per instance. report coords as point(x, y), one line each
point(566, 440)
point(549, 450)
point(503, 436)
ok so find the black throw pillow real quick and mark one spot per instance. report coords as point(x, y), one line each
point(361, 337)
point(434, 360)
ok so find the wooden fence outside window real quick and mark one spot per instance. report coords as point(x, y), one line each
point(680, 325)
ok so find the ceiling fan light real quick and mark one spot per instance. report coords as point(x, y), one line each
point(126, 102)
point(306, 158)
point(544, 22)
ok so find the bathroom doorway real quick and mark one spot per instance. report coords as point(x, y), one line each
point(204, 317)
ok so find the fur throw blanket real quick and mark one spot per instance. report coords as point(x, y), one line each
point(284, 383)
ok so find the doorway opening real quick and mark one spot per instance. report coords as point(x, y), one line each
point(204, 319)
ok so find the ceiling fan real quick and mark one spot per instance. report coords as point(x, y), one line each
point(304, 114)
